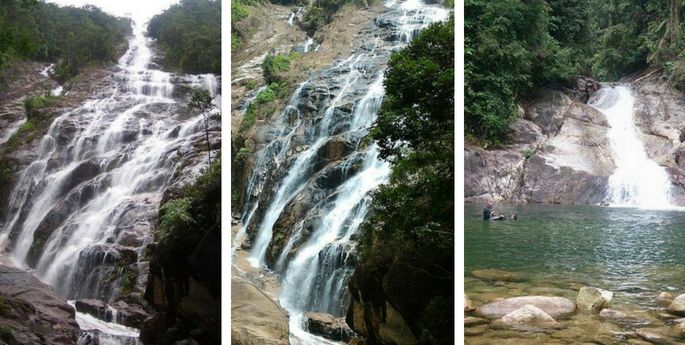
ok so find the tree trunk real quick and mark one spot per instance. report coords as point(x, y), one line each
point(674, 22)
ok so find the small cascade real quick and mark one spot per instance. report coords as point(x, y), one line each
point(638, 181)
point(292, 16)
point(82, 213)
point(308, 44)
point(298, 175)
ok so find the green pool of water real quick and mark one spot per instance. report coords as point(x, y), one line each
point(634, 253)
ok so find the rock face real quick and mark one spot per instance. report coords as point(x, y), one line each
point(255, 318)
point(403, 305)
point(556, 307)
point(329, 327)
point(31, 313)
point(184, 284)
point(119, 312)
point(592, 299)
point(558, 153)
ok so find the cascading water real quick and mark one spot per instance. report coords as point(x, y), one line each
point(82, 213)
point(638, 181)
point(292, 172)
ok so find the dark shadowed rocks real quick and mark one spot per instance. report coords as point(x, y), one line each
point(329, 327)
point(31, 312)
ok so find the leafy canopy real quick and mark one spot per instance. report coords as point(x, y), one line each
point(190, 34)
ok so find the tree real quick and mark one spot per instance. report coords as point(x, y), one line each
point(201, 100)
point(190, 35)
point(415, 131)
point(412, 216)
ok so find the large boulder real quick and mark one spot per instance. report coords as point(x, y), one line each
point(32, 313)
point(677, 306)
point(664, 299)
point(556, 307)
point(255, 318)
point(329, 327)
point(526, 317)
point(592, 299)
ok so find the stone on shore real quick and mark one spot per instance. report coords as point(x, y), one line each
point(556, 307)
point(593, 300)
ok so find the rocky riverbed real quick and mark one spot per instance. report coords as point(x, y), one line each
point(504, 307)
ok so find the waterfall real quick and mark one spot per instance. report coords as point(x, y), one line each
point(638, 181)
point(332, 195)
point(83, 212)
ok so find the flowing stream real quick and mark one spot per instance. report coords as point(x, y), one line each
point(638, 181)
point(82, 213)
point(331, 195)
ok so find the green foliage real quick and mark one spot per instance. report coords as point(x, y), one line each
point(273, 65)
point(527, 153)
point(34, 104)
point(413, 214)
point(190, 34)
point(174, 214)
point(251, 85)
point(417, 113)
point(249, 118)
point(128, 280)
point(272, 92)
point(76, 37)
point(238, 11)
point(322, 11)
point(186, 219)
point(6, 334)
point(265, 96)
point(508, 51)
point(201, 100)
point(242, 154)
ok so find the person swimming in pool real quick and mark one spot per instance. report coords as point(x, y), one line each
point(489, 214)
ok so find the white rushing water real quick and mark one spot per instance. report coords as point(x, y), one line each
point(98, 179)
point(638, 181)
point(316, 261)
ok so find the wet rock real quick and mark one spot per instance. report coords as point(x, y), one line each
point(617, 315)
point(664, 299)
point(468, 304)
point(92, 307)
point(255, 318)
point(497, 275)
point(677, 306)
point(32, 313)
point(83, 172)
point(592, 299)
point(556, 307)
point(329, 327)
point(475, 331)
point(654, 337)
point(526, 317)
point(470, 321)
point(130, 315)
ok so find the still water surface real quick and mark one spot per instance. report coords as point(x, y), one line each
point(635, 253)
